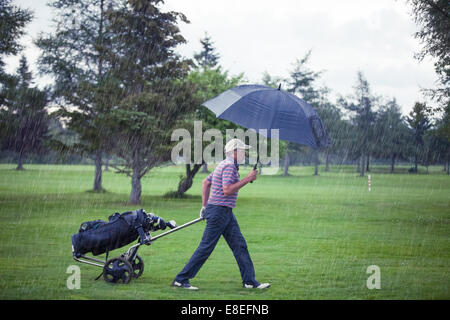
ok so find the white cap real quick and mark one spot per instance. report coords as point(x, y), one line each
point(235, 144)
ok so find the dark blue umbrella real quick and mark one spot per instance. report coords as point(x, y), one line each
point(261, 107)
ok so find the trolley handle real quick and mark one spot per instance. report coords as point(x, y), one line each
point(151, 239)
point(178, 228)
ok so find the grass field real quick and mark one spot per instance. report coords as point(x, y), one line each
point(311, 237)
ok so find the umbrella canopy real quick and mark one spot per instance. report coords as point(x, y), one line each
point(261, 107)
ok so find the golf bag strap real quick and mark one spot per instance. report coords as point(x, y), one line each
point(120, 216)
point(144, 238)
point(106, 259)
point(136, 225)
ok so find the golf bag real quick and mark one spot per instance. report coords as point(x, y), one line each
point(99, 236)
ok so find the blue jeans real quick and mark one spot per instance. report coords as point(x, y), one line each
point(220, 221)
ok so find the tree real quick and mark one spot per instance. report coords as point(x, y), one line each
point(332, 120)
point(75, 55)
point(301, 82)
point(12, 23)
point(443, 135)
point(153, 94)
point(207, 57)
point(433, 16)
point(419, 121)
point(361, 106)
point(23, 119)
point(345, 141)
point(432, 148)
point(391, 133)
point(210, 82)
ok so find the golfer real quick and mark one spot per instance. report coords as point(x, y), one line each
point(220, 220)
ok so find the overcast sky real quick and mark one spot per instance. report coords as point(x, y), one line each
point(253, 36)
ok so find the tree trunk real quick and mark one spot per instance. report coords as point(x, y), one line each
point(448, 167)
point(358, 165)
point(260, 168)
point(363, 167)
point(326, 160)
point(98, 172)
point(98, 157)
point(286, 165)
point(187, 182)
point(367, 167)
point(205, 168)
point(393, 162)
point(107, 163)
point(136, 188)
point(316, 162)
point(20, 161)
point(415, 163)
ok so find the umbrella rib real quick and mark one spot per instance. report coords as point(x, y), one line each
point(297, 102)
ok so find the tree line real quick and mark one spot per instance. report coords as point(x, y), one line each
point(120, 89)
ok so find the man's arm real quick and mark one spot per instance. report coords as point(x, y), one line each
point(206, 187)
point(233, 188)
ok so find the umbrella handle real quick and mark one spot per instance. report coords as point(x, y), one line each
point(256, 164)
point(254, 168)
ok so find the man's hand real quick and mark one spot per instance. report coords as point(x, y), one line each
point(233, 188)
point(202, 211)
point(252, 175)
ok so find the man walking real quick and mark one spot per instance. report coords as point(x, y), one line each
point(217, 210)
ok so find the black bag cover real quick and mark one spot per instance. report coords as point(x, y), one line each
point(121, 229)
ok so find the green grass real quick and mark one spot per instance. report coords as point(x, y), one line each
point(311, 237)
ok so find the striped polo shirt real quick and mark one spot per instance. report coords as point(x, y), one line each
point(225, 173)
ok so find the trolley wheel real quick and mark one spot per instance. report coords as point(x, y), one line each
point(138, 266)
point(117, 270)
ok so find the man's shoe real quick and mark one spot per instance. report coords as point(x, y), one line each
point(186, 285)
point(257, 286)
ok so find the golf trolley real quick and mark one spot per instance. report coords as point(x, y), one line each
point(100, 237)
